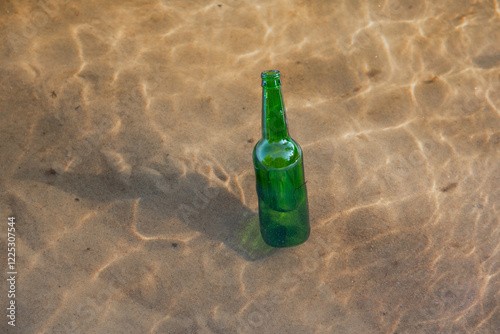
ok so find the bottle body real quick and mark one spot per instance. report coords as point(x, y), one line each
point(279, 171)
point(283, 205)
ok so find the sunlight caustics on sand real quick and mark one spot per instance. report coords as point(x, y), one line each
point(126, 157)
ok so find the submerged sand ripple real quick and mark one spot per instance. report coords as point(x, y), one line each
point(127, 130)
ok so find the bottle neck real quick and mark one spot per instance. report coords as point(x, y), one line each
point(274, 127)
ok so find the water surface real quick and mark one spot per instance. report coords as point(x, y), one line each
point(126, 157)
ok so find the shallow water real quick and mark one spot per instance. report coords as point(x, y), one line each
point(126, 157)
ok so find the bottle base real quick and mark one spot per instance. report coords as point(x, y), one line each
point(284, 229)
point(283, 237)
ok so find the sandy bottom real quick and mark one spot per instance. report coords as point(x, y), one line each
point(126, 136)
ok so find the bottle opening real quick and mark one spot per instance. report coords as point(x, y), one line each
point(272, 74)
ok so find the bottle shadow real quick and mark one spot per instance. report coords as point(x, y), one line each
point(164, 199)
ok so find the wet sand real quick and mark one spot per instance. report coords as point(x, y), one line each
point(126, 139)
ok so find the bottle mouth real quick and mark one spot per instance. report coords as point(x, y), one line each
point(271, 74)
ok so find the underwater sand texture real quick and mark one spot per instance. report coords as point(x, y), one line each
point(127, 129)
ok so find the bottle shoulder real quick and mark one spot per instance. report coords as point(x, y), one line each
point(277, 154)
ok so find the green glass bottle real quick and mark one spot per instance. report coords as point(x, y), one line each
point(279, 172)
